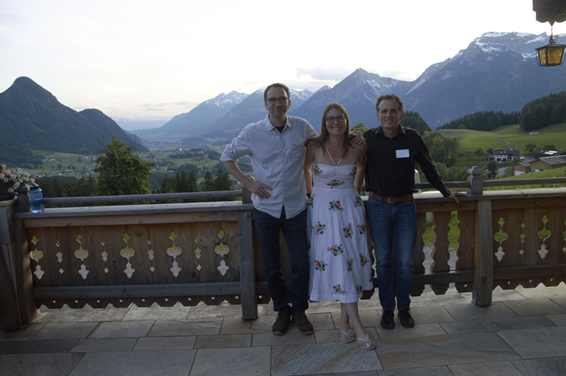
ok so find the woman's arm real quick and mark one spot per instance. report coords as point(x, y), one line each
point(361, 167)
point(309, 158)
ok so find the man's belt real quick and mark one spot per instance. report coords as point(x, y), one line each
point(391, 200)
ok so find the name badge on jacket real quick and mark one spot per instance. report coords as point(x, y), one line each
point(403, 153)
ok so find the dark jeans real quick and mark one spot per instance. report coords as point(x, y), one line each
point(295, 232)
point(393, 223)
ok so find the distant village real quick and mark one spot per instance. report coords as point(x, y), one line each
point(540, 161)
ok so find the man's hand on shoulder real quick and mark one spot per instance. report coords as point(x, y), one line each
point(357, 139)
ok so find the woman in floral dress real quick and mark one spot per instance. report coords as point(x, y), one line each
point(340, 262)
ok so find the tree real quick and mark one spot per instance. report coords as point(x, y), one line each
point(360, 127)
point(479, 152)
point(492, 166)
point(222, 181)
point(121, 171)
point(415, 121)
point(530, 147)
point(208, 184)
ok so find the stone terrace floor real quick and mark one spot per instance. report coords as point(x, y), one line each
point(522, 333)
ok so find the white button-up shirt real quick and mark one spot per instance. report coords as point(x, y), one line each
point(277, 161)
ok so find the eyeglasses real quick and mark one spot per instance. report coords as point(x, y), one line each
point(282, 100)
point(330, 119)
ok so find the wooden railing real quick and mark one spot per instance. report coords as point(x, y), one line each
point(193, 252)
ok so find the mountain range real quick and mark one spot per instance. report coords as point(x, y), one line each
point(496, 72)
point(31, 118)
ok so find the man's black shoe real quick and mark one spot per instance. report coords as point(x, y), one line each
point(304, 325)
point(406, 318)
point(387, 320)
point(281, 324)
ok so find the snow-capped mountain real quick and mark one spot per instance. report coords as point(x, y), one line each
point(199, 119)
point(496, 72)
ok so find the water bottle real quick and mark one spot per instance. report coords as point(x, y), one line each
point(36, 199)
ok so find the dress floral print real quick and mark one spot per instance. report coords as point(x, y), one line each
point(340, 262)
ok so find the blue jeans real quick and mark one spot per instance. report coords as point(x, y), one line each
point(396, 223)
point(295, 232)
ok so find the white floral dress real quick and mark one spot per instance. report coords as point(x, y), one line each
point(340, 262)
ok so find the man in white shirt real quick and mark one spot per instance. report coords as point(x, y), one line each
point(276, 146)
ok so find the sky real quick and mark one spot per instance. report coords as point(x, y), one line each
point(152, 60)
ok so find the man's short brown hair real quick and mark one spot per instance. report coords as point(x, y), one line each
point(282, 86)
point(389, 96)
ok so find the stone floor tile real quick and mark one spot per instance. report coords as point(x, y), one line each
point(363, 373)
point(533, 343)
point(468, 312)
point(155, 312)
point(332, 336)
point(136, 363)
point(235, 325)
point(85, 314)
point(500, 295)
point(103, 345)
point(420, 330)
point(223, 341)
point(322, 358)
point(7, 346)
point(165, 343)
point(22, 334)
point(122, 329)
point(319, 321)
point(428, 315)
point(170, 328)
point(472, 326)
point(47, 346)
point(239, 361)
point(64, 330)
point(485, 369)
point(560, 300)
point(38, 364)
point(368, 317)
point(289, 338)
point(327, 336)
point(224, 309)
point(542, 366)
point(323, 307)
point(542, 291)
point(558, 320)
point(443, 350)
point(529, 322)
point(534, 307)
point(420, 371)
point(429, 299)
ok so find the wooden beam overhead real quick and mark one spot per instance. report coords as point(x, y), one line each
point(550, 10)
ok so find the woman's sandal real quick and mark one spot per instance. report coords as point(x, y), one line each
point(346, 335)
point(367, 346)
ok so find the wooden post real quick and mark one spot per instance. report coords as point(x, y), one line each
point(247, 268)
point(24, 277)
point(483, 278)
point(24, 204)
point(476, 181)
point(9, 312)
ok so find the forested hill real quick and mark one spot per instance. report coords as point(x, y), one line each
point(536, 114)
point(31, 118)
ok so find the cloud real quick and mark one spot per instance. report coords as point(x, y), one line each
point(325, 74)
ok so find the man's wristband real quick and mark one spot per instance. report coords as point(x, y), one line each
point(308, 195)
